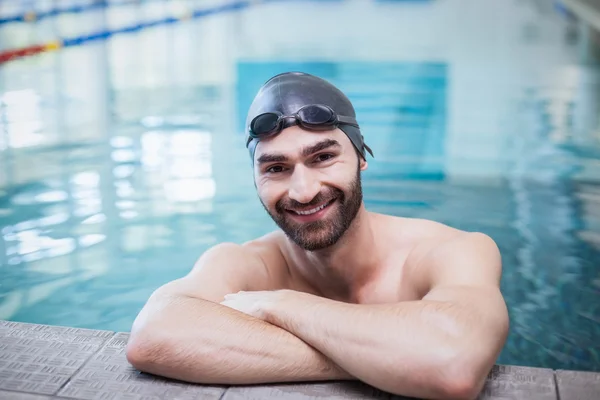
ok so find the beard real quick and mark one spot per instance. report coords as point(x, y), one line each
point(318, 235)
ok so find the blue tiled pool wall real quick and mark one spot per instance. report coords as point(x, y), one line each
point(400, 106)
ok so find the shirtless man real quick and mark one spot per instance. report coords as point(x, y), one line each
point(410, 306)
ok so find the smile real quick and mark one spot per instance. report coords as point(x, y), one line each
point(313, 210)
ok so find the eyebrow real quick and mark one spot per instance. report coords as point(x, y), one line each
point(307, 151)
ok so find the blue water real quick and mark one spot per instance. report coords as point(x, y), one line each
point(122, 160)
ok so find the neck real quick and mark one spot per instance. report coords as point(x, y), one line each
point(344, 268)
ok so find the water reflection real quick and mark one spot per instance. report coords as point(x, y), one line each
point(184, 160)
point(22, 119)
point(119, 165)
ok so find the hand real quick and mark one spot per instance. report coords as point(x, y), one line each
point(257, 304)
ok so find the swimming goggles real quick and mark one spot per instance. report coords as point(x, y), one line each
point(315, 117)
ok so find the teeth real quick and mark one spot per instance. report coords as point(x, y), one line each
point(314, 210)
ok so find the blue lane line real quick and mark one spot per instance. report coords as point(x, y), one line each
point(79, 40)
point(134, 28)
point(72, 9)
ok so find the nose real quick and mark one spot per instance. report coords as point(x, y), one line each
point(303, 186)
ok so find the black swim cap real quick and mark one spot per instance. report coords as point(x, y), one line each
point(286, 93)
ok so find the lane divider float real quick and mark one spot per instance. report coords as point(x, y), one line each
point(10, 55)
point(32, 15)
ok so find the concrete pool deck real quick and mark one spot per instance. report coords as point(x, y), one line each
point(40, 362)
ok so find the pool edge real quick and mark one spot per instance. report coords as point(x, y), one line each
point(46, 361)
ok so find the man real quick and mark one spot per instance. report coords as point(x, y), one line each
point(410, 306)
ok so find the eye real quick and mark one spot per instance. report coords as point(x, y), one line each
point(274, 169)
point(324, 157)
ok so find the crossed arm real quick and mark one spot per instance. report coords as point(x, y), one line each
point(442, 346)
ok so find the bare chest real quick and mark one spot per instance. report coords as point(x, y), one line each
point(392, 284)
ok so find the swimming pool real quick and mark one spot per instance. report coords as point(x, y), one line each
point(122, 160)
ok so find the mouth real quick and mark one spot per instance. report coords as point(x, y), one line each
point(312, 214)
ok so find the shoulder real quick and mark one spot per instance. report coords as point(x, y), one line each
point(461, 248)
point(439, 253)
point(428, 236)
point(266, 246)
point(415, 234)
point(268, 249)
point(425, 229)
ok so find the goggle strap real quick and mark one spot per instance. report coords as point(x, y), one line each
point(347, 120)
point(368, 149)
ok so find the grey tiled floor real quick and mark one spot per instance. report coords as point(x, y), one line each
point(46, 362)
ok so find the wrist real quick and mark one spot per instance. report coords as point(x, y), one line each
point(274, 310)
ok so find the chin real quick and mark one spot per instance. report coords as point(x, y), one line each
point(315, 240)
point(314, 246)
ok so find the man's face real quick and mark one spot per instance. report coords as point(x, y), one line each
point(309, 183)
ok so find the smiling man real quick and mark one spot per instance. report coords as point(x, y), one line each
point(410, 306)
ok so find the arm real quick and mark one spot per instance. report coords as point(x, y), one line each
point(183, 333)
point(442, 346)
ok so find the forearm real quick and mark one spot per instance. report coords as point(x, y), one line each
point(199, 341)
point(407, 349)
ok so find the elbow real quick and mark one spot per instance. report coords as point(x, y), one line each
point(465, 374)
point(447, 381)
point(136, 356)
point(461, 388)
point(465, 382)
point(144, 351)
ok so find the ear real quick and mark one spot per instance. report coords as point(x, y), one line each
point(363, 164)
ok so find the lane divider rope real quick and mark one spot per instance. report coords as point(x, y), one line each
point(54, 45)
point(33, 16)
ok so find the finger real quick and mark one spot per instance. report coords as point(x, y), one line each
point(232, 295)
point(228, 303)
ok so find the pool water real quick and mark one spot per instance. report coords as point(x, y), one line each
point(122, 159)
